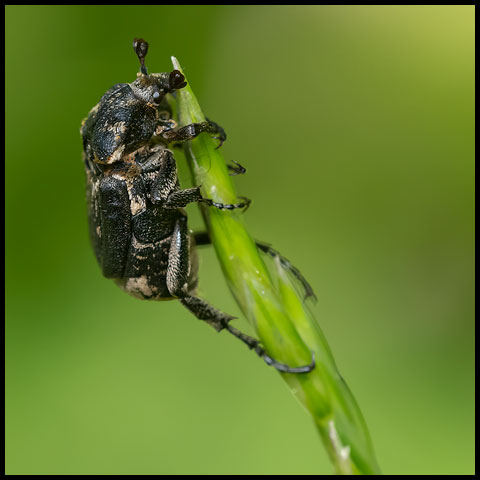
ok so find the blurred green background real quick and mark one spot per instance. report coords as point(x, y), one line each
point(356, 125)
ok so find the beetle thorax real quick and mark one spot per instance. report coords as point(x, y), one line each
point(146, 92)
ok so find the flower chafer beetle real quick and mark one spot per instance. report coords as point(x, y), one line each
point(138, 227)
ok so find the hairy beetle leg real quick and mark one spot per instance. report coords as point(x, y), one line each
point(286, 264)
point(222, 136)
point(202, 238)
point(205, 312)
point(188, 132)
point(254, 345)
point(165, 125)
point(220, 321)
point(236, 169)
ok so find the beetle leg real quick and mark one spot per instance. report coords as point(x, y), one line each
point(228, 206)
point(178, 273)
point(178, 268)
point(164, 190)
point(165, 125)
point(204, 311)
point(219, 320)
point(222, 135)
point(281, 367)
point(181, 198)
point(254, 345)
point(287, 265)
point(236, 169)
point(178, 276)
point(161, 164)
point(202, 238)
point(193, 130)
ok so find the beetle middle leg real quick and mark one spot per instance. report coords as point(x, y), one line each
point(164, 188)
point(178, 283)
point(181, 198)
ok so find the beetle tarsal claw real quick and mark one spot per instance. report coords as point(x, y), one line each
point(281, 367)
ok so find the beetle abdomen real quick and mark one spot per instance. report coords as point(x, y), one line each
point(146, 269)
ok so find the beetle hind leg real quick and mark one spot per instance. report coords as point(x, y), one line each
point(220, 321)
point(180, 283)
point(203, 238)
point(206, 312)
point(254, 344)
point(287, 265)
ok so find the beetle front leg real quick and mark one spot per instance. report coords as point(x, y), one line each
point(188, 132)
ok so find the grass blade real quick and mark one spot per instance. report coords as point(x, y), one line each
point(273, 307)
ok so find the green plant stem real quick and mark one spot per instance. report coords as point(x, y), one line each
point(271, 304)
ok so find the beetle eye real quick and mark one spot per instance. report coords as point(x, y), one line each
point(156, 97)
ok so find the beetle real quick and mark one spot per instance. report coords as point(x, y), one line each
point(137, 222)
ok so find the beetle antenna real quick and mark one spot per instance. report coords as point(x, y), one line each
point(141, 48)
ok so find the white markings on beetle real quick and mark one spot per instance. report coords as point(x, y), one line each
point(140, 285)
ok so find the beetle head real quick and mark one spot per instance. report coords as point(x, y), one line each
point(153, 88)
